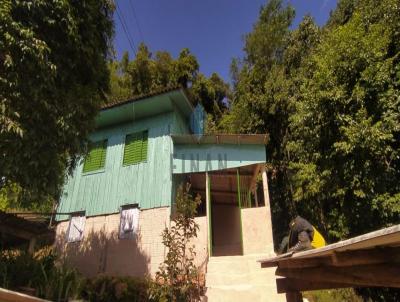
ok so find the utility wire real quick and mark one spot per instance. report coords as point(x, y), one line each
point(136, 20)
point(125, 28)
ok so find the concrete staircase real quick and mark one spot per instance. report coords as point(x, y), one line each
point(240, 278)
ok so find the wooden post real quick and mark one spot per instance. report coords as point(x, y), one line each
point(294, 297)
point(208, 211)
point(32, 243)
point(267, 205)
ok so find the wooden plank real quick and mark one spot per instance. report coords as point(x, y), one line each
point(12, 296)
point(275, 260)
point(305, 263)
point(385, 237)
point(386, 275)
point(284, 285)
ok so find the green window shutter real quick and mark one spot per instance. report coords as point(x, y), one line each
point(96, 157)
point(135, 150)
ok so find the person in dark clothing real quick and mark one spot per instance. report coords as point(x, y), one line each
point(302, 236)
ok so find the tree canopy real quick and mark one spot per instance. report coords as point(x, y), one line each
point(329, 98)
point(53, 77)
point(148, 72)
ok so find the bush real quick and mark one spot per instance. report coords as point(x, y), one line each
point(335, 295)
point(109, 289)
point(18, 269)
point(177, 279)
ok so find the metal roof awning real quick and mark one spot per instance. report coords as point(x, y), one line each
point(369, 260)
point(234, 139)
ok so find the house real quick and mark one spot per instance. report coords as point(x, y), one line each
point(120, 198)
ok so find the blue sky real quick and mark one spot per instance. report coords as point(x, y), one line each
point(213, 30)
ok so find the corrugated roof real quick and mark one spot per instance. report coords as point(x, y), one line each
point(236, 139)
point(140, 97)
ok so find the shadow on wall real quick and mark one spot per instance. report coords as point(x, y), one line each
point(102, 252)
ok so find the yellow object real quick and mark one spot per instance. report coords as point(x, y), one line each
point(318, 240)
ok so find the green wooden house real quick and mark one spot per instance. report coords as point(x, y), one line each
point(120, 197)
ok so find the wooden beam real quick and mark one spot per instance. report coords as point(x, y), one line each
point(216, 192)
point(386, 275)
point(305, 262)
point(285, 285)
point(12, 296)
point(347, 258)
point(230, 173)
point(294, 297)
point(366, 256)
point(17, 232)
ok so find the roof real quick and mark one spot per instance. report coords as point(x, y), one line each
point(235, 139)
point(139, 97)
point(13, 221)
point(371, 259)
point(144, 106)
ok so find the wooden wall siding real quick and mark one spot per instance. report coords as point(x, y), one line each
point(148, 183)
point(215, 157)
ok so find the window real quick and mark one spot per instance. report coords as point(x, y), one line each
point(76, 227)
point(135, 150)
point(96, 158)
point(129, 221)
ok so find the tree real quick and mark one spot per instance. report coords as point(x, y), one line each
point(345, 128)
point(53, 75)
point(147, 73)
point(267, 83)
point(177, 279)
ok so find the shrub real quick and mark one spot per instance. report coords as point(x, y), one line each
point(109, 289)
point(177, 279)
point(19, 269)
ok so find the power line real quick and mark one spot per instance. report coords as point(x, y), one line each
point(125, 28)
point(136, 20)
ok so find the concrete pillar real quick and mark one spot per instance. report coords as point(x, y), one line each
point(208, 213)
point(267, 202)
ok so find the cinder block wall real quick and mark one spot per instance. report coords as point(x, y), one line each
point(102, 252)
point(257, 231)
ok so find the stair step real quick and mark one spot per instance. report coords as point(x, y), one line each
point(264, 276)
point(245, 292)
point(241, 278)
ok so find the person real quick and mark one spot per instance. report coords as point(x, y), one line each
point(302, 236)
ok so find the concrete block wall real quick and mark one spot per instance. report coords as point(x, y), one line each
point(102, 252)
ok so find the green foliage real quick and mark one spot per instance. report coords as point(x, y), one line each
point(147, 73)
point(337, 295)
point(329, 99)
point(53, 74)
point(345, 130)
point(110, 288)
point(177, 280)
point(9, 193)
point(20, 269)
